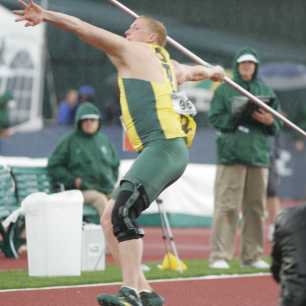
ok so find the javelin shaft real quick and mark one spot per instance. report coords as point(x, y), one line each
point(227, 80)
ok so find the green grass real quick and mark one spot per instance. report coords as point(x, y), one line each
point(19, 279)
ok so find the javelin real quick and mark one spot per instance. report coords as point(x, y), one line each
point(227, 80)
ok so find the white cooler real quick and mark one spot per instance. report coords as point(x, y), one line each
point(93, 248)
point(53, 231)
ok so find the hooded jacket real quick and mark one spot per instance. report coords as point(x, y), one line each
point(240, 138)
point(90, 157)
point(4, 114)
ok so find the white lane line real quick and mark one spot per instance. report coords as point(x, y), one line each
point(180, 279)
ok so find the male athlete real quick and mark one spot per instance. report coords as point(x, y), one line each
point(147, 79)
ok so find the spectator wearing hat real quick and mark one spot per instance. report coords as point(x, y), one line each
point(87, 94)
point(85, 159)
point(244, 132)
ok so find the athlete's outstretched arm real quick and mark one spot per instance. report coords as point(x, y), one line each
point(110, 43)
point(186, 73)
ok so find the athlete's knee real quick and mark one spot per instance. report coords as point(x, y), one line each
point(128, 206)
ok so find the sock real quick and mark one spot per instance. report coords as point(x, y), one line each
point(146, 291)
point(131, 289)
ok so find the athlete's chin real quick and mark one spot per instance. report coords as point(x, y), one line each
point(133, 39)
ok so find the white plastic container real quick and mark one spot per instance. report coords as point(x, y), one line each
point(53, 231)
point(93, 248)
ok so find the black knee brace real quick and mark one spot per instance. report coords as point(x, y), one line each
point(128, 207)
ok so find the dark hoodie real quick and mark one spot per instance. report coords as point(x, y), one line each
point(289, 255)
point(243, 141)
point(90, 157)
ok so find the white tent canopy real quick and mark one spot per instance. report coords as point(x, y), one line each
point(21, 70)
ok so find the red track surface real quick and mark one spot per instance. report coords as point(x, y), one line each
point(191, 243)
point(246, 291)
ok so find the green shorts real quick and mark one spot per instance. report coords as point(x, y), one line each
point(160, 164)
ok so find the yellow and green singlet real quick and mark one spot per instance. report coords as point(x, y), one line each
point(147, 108)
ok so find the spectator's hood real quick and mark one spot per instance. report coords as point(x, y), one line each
point(87, 110)
point(245, 54)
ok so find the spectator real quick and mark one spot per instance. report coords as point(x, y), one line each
point(289, 255)
point(67, 108)
point(273, 201)
point(243, 153)
point(86, 160)
point(112, 107)
point(5, 98)
point(300, 120)
point(87, 94)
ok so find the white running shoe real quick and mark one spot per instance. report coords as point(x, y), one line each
point(258, 264)
point(219, 264)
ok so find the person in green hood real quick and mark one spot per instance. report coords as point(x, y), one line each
point(5, 99)
point(85, 159)
point(244, 133)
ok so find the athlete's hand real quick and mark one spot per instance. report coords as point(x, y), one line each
point(217, 73)
point(32, 13)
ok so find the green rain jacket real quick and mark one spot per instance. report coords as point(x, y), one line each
point(4, 115)
point(90, 157)
point(240, 138)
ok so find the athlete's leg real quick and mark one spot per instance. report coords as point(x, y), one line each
point(113, 245)
point(155, 168)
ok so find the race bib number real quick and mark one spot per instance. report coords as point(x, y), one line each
point(182, 104)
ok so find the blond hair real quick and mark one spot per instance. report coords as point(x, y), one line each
point(158, 28)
